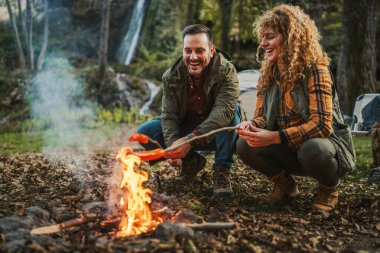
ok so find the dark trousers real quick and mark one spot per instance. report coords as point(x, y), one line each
point(223, 144)
point(316, 158)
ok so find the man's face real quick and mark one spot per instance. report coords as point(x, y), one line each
point(197, 53)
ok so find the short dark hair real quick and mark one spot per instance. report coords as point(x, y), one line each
point(195, 29)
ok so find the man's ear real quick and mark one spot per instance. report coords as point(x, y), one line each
point(212, 50)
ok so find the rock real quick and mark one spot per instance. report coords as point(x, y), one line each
point(173, 231)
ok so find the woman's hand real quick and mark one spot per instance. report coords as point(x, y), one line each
point(257, 137)
point(245, 125)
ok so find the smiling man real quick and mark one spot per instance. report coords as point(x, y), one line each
point(200, 94)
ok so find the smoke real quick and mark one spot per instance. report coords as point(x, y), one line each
point(57, 99)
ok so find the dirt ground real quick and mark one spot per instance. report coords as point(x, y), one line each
point(34, 180)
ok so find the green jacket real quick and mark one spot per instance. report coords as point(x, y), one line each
point(221, 89)
point(341, 137)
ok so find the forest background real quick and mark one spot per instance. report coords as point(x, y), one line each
point(89, 35)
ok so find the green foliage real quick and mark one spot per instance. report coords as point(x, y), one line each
point(120, 115)
point(363, 151)
point(16, 143)
point(152, 64)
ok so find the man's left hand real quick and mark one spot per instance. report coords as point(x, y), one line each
point(179, 152)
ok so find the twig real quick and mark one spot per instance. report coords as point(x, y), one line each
point(211, 225)
point(201, 137)
point(66, 224)
point(160, 210)
point(155, 143)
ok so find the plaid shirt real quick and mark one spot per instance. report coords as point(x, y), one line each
point(289, 120)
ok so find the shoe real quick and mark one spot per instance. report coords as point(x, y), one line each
point(284, 186)
point(326, 198)
point(222, 183)
point(191, 165)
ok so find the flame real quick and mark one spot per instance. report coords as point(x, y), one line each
point(136, 218)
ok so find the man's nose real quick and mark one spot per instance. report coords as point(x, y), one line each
point(193, 56)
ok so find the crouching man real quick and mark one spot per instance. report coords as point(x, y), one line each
point(200, 94)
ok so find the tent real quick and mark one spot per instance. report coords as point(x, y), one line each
point(366, 112)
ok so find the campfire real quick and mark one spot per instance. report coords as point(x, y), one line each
point(134, 203)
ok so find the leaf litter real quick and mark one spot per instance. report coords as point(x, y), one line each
point(63, 187)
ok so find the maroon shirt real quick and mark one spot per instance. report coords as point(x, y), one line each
point(196, 101)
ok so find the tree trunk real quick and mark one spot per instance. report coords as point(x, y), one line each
point(225, 7)
point(41, 57)
point(29, 21)
point(357, 64)
point(22, 21)
point(16, 34)
point(103, 45)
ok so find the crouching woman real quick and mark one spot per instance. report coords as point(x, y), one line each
point(297, 127)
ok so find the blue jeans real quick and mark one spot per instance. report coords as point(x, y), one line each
point(224, 143)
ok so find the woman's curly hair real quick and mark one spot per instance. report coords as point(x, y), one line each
point(301, 47)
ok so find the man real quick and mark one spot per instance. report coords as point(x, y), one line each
point(200, 94)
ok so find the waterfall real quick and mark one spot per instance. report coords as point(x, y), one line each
point(153, 92)
point(129, 43)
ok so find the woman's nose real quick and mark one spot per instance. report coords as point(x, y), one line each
point(264, 43)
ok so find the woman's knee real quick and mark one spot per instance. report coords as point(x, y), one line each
point(246, 153)
point(316, 152)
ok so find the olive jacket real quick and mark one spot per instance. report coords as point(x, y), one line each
point(220, 87)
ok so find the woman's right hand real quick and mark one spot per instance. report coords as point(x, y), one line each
point(245, 125)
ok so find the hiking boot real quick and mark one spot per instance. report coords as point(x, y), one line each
point(326, 198)
point(191, 166)
point(222, 182)
point(284, 186)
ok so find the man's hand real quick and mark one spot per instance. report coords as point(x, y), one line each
point(257, 137)
point(179, 152)
point(175, 162)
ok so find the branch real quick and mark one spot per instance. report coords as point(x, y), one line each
point(201, 137)
point(66, 224)
point(211, 225)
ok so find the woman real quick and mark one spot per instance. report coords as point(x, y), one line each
point(297, 127)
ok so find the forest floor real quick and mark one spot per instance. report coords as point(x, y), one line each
point(31, 179)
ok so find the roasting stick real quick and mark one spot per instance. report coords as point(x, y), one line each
point(66, 224)
point(197, 137)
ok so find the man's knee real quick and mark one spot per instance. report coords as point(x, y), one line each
point(150, 128)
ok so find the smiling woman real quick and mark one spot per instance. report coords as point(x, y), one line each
point(297, 127)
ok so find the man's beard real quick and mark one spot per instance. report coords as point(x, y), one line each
point(199, 68)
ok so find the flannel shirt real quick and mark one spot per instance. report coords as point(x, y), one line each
point(295, 129)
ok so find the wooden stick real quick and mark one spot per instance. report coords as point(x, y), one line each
point(66, 224)
point(155, 143)
point(197, 137)
point(211, 225)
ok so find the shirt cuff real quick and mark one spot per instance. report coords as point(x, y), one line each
point(283, 137)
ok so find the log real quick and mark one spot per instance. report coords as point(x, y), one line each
point(211, 225)
point(66, 224)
